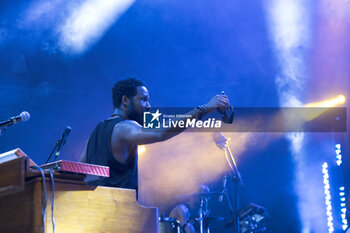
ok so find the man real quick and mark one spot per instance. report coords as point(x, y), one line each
point(114, 141)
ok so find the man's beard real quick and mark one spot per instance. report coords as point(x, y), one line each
point(134, 115)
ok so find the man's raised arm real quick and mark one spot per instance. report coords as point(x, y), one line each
point(132, 132)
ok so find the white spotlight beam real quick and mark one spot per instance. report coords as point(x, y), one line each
point(89, 22)
point(290, 31)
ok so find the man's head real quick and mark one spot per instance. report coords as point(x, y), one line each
point(131, 96)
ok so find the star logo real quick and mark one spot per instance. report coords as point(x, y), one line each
point(151, 120)
point(156, 115)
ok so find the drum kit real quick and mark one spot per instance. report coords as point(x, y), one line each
point(169, 225)
point(250, 219)
point(203, 218)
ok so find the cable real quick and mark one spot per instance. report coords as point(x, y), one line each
point(43, 210)
point(52, 199)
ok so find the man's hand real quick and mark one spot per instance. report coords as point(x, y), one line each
point(220, 102)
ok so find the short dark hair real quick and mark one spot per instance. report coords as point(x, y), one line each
point(123, 87)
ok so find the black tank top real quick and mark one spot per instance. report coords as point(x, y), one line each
point(123, 175)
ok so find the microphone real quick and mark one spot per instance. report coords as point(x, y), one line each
point(227, 115)
point(219, 140)
point(60, 143)
point(64, 137)
point(224, 184)
point(24, 116)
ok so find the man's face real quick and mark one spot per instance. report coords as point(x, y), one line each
point(138, 104)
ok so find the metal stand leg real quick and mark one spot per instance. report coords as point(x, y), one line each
point(237, 180)
point(203, 215)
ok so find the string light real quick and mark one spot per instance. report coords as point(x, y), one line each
point(327, 197)
point(342, 198)
point(338, 154)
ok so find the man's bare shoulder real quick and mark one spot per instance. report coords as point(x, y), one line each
point(128, 123)
point(126, 126)
point(131, 132)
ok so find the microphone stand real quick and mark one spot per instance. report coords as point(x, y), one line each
point(60, 143)
point(4, 126)
point(204, 215)
point(57, 149)
point(236, 179)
